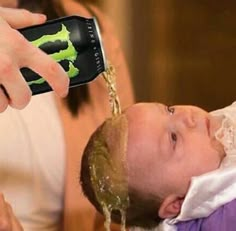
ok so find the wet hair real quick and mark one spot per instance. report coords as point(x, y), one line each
point(143, 209)
point(79, 95)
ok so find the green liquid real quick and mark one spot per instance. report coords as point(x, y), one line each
point(109, 77)
point(107, 162)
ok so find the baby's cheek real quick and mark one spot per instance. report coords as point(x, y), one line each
point(211, 162)
point(216, 154)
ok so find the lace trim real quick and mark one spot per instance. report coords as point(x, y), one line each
point(226, 134)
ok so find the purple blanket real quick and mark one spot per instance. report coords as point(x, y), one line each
point(223, 219)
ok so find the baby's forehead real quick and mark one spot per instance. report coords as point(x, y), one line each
point(140, 107)
point(141, 112)
point(143, 125)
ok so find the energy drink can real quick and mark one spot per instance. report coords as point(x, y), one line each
point(74, 42)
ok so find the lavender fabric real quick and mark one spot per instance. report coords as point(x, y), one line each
point(223, 219)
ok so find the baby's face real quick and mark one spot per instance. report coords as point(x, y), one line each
point(168, 146)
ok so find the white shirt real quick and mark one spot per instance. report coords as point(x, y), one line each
point(32, 163)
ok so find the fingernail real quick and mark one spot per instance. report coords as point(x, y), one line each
point(42, 17)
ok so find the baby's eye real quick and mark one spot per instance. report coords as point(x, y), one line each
point(174, 138)
point(171, 110)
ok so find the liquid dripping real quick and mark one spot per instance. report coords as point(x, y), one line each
point(107, 215)
point(123, 220)
point(108, 174)
point(109, 76)
point(107, 169)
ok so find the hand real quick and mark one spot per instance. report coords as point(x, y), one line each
point(16, 52)
point(8, 221)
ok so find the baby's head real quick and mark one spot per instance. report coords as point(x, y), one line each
point(161, 148)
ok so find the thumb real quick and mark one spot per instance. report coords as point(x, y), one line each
point(18, 18)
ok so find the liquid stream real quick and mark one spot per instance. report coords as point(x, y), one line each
point(109, 77)
point(111, 196)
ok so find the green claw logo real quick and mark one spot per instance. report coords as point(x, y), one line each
point(69, 53)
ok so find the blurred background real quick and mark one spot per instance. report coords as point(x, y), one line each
point(179, 52)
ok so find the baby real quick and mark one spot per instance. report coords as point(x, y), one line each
point(164, 153)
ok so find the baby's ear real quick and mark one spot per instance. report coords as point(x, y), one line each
point(170, 207)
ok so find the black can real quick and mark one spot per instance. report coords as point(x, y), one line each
point(74, 42)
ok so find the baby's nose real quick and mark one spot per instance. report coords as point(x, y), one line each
point(188, 119)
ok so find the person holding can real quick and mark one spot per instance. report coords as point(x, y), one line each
point(42, 144)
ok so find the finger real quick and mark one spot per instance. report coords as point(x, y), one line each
point(15, 224)
point(18, 91)
point(18, 18)
point(3, 99)
point(13, 82)
point(5, 221)
point(48, 68)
